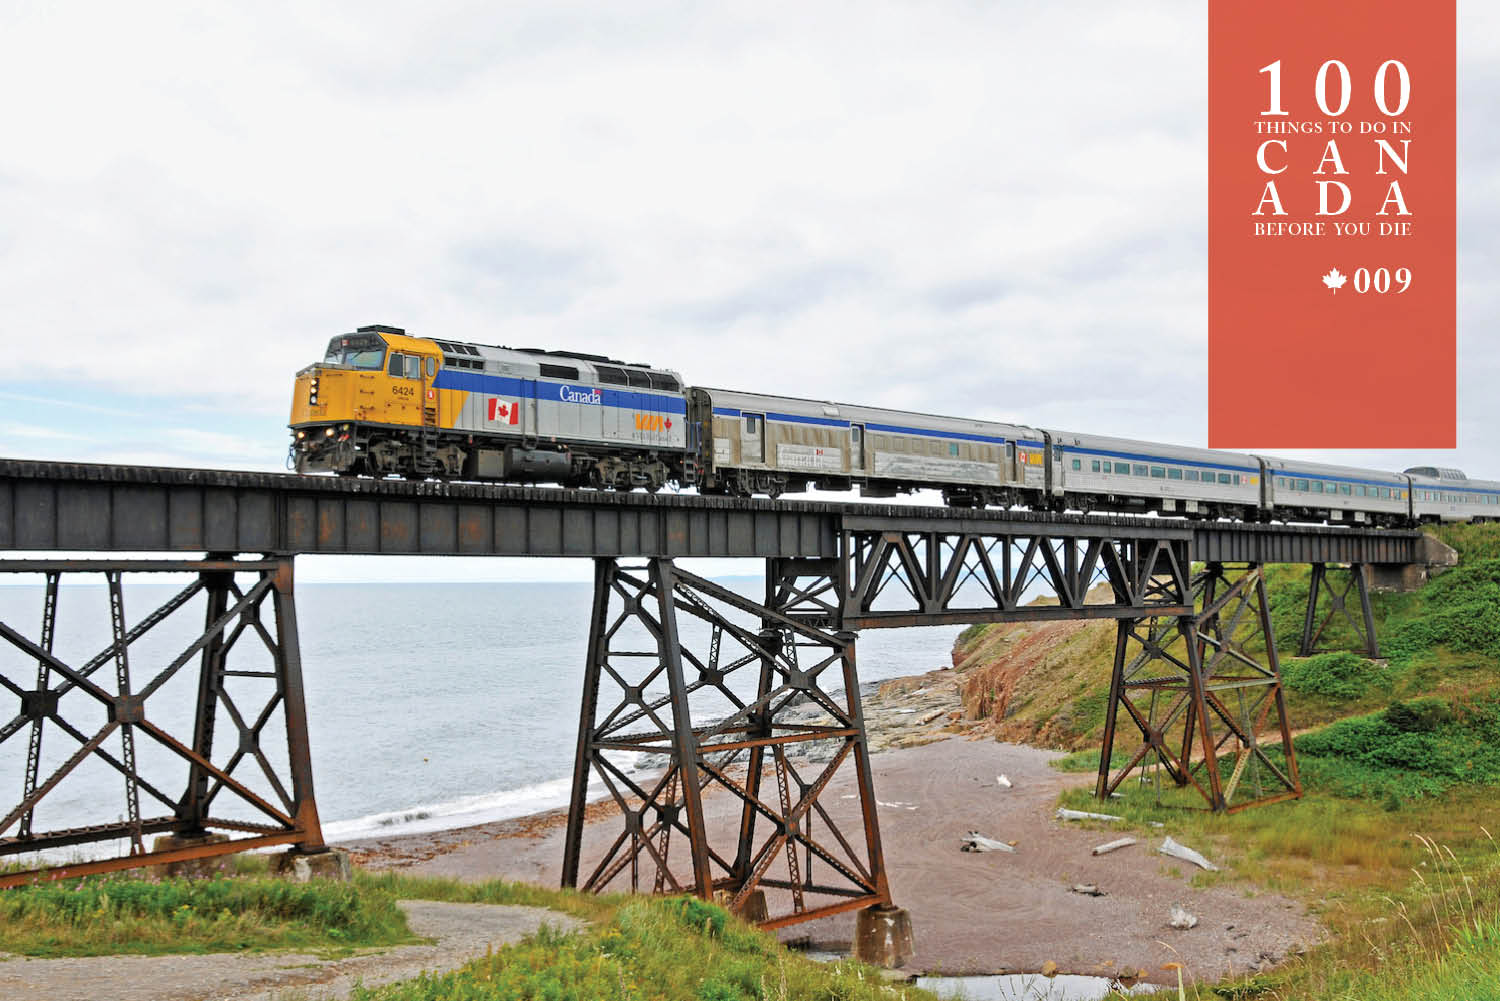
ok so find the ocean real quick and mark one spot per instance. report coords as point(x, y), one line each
point(430, 705)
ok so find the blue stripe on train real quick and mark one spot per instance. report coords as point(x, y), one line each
point(558, 392)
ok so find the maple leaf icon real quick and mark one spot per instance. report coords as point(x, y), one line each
point(1334, 279)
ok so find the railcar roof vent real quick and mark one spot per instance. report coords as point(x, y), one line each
point(380, 328)
point(1437, 472)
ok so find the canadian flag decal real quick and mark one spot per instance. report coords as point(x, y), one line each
point(505, 411)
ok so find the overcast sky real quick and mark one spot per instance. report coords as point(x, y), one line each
point(992, 210)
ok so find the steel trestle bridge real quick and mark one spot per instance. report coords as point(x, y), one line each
point(1195, 682)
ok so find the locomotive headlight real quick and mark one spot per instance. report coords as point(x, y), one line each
point(301, 435)
point(328, 433)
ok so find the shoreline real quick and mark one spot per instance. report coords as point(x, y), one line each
point(972, 913)
point(899, 712)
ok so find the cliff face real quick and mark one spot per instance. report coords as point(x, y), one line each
point(1040, 683)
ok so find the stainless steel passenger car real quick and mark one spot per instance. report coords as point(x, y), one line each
point(569, 417)
point(1314, 491)
point(771, 444)
point(1100, 473)
point(1441, 494)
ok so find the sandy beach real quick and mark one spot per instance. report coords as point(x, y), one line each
point(971, 913)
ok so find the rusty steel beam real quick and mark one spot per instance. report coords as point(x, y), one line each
point(53, 506)
point(786, 840)
point(229, 613)
point(1212, 677)
point(1322, 587)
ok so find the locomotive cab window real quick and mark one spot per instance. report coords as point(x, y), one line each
point(405, 366)
point(360, 351)
point(431, 367)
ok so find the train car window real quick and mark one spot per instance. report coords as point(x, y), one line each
point(1158, 472)
point(1093, 465)
point(1344, 489)
point(1192, 474)
point(612, 376)
point(1122, 467)
point(638, 379)
point(397, 366)
point(1140, 469)
point(752, 424)
point(1223, 477)
point(1385, 493)
point(1236, 479)
point(559, 371)
point(1078, 465)
point(1174, 474)
point(953, 448)
point(659, 381)
point(1317, 486)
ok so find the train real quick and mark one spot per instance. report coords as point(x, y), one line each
point(385, 403)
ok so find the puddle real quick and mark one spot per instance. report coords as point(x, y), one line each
point(1032, 987)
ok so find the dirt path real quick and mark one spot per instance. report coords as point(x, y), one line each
point(462, 932)
point(971, 913)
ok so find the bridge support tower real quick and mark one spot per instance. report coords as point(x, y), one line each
point(764, 803)
point(1204, 692)
point(237, 726)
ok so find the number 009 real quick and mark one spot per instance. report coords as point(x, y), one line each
point(1380, 280)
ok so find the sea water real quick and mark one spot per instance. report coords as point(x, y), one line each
point(430, 706)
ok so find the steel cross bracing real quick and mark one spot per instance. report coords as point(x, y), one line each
point(257, 789)
point(995, 573)
point(1203, 689)
point(716, 726)
point(1321, 586)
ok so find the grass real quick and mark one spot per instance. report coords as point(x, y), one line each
point(123, 914)
point(631, 947)
point(675, 948)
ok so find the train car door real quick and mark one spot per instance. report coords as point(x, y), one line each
point(856, 448)
point(752, 437)
point(528, 405)
point(431, 418)
point(1012, 471)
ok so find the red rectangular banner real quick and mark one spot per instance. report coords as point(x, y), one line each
point(1331, 224)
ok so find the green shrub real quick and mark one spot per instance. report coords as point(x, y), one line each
point(1335, 675)
point(1411, 749)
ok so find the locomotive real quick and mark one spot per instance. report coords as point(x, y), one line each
point(383, 403)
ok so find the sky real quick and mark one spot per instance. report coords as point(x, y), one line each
point(994, 210)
